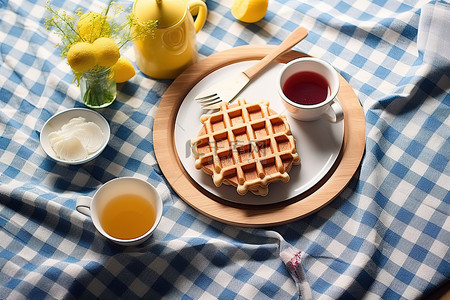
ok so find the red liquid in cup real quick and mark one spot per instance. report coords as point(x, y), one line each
point(306, 88)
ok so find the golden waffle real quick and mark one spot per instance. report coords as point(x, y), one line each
point(247, 145)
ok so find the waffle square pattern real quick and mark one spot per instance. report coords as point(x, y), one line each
point(247, 145)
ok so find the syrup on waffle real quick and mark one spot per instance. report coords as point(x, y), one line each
point(247, 145)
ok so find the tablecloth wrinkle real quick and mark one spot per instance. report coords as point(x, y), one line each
point(386, 236)
point(292, 259)
point(433, 27)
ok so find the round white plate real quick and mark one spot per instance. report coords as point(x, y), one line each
point(318, 143)
point(58, 120)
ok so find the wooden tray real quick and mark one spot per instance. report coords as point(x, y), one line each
point(250, 215)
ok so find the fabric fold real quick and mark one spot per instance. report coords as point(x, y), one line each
point(432, 32)
point(292, 257)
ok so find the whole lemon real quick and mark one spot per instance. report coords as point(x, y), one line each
point(123, 70)
point(249, 11)
point(107, 51)
point(81, 57)
point(93, 25)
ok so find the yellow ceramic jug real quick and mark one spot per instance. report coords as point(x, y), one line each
point(171, 48)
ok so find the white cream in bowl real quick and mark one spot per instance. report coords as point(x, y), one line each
point(76, 139)
point(75, 136)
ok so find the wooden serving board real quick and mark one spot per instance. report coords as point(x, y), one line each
point(250, 215)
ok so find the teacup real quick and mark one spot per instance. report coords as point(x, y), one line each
point(308, 88)
point(125, 210)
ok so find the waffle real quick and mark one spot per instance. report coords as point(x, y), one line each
point(247, 145)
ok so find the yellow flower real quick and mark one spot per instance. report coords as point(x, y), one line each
point(84, 28)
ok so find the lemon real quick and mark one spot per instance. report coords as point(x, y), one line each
point(81, 57)
point(123, 70)
point(107, 51)
point(92, 25)
point(249, 11)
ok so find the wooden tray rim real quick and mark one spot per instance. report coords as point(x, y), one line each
point(251, 215)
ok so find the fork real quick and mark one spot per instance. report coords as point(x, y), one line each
point(226, 90)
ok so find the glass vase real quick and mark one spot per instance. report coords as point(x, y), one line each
point(98, 88)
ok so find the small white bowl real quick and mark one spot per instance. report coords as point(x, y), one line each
point(57, 121)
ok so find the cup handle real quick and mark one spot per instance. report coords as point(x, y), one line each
point(198, 8)
point(334, 113)
point(84, 205)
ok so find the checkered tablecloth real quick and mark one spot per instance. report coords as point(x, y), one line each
point(386, 235)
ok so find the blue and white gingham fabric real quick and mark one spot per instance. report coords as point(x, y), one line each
point(386, 236)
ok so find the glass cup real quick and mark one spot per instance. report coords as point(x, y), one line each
point(125, 210)
point(313, 69)
point(98, 88)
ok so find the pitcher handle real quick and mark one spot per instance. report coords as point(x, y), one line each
point(198, 7)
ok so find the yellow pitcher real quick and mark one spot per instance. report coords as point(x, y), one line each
point(171, 48)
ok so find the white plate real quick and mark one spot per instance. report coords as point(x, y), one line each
point(58, 120)
point(318, 143)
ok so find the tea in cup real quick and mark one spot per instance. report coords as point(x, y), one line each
point(125, 210)
point(308, 88)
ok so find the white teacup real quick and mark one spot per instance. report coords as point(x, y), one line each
point(328, 108)
point(125, 210)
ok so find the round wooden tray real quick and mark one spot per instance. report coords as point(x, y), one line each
point(250, 215)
